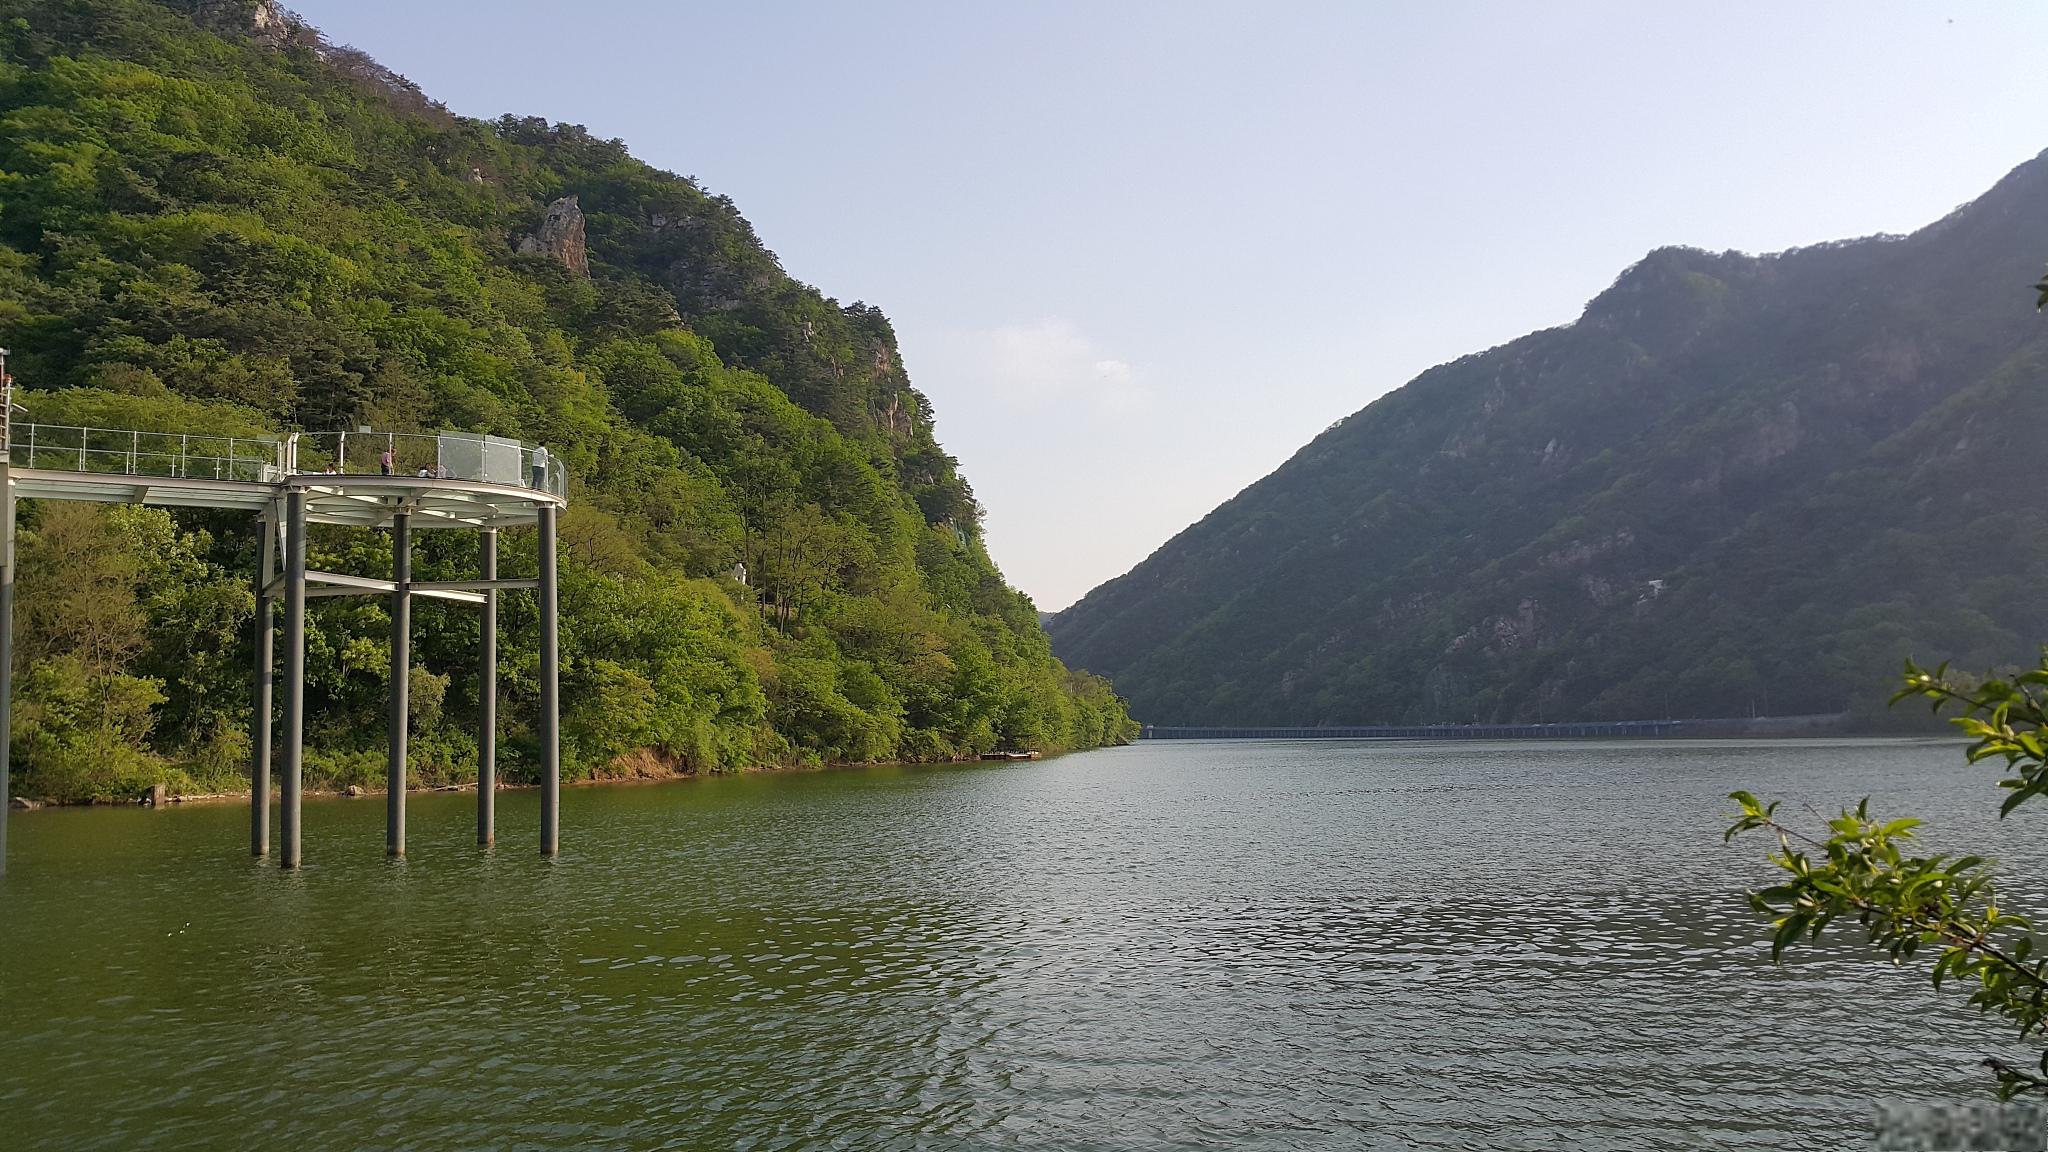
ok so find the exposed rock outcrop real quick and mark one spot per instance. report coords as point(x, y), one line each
point(268, 24)
point(264, 21)
point(560, 235)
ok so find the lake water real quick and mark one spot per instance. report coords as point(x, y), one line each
point(1173, 945)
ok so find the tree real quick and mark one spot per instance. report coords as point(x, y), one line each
point(1861, 868)
point(796, 559)
point(83, 720)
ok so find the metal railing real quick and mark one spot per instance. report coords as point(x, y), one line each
point(267, 460)
point(126, 452)
point(428, 455)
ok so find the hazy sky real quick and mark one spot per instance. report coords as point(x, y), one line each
point(1137, 254)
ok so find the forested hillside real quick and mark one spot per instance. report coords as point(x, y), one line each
point(210, 218)
point(1736, 485)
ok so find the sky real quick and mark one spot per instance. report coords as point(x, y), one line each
point(1137, 254)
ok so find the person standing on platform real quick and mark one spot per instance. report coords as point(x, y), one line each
point(386, 462)
point(540, 467)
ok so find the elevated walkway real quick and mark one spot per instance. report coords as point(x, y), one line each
point(359, 479)
point(362, 479)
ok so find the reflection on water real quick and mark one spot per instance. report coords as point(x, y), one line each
point(1166, 946)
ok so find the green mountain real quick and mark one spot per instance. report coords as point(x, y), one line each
point(211, 218)
point(1736, 485)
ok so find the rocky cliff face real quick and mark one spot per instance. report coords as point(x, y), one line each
point(268, 23)
point(263, 21)
point(560, 236)
point(1736, 484)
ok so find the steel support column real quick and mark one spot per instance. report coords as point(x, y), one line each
point(6, 649)
point(401, 677)
point(294, 674)
point(550, 692)
point(487, 696)
point(265, 671)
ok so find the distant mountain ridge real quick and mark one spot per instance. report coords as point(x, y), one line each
point(1737, 484)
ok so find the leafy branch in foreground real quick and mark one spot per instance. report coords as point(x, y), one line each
point(1863, 870)
point(2005, 718)
point(1905, 903)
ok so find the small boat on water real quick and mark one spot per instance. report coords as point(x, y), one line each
point(1009, 755)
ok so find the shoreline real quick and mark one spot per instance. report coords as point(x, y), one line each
point(24, 803)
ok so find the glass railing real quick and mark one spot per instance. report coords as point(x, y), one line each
point(266, 460)
point(428, 455)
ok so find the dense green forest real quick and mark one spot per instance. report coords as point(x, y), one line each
point(211, 219)
point(1735, 486)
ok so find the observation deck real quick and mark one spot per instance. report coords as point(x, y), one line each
point(359, 479)
point(363, 479)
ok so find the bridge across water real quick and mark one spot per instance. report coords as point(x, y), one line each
point(1614, 728)
point(394, 481)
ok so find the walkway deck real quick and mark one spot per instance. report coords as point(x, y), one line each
point(450, 479)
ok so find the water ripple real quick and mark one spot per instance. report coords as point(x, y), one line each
point(1167, 946)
